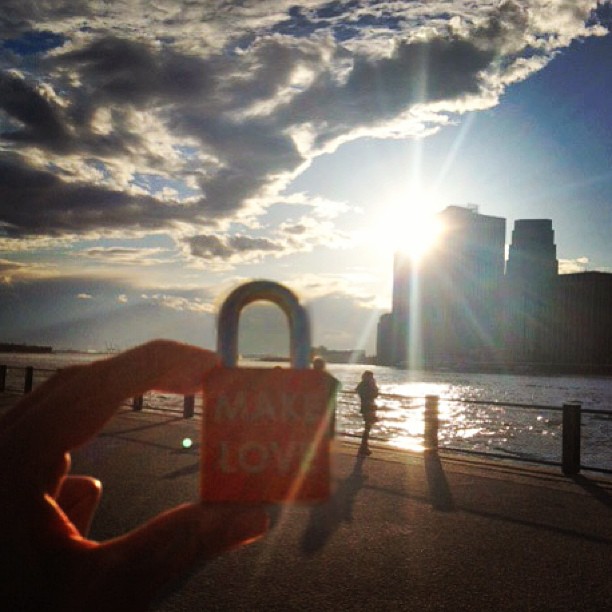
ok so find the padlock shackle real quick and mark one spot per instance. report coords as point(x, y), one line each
point(297, 318)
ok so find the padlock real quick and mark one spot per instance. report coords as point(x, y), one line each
point(266, 431)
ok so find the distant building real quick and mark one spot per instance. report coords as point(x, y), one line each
point(581, 317)
point(458, 307)
point(531, 274)
point(445, 307)
point(9, 347)
point(340, 355)
point(385, 352)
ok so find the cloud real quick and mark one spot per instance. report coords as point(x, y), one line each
point(85, 312)
point(36, 243)
point(294, 236)
point(40, 120)
point(353, 286)
point(13, 271)
point(231, 249)
point(570, 266)
point(124, 255)
point(254, 91)
point(39, 202)
point(181, 303)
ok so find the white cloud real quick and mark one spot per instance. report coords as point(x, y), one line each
point(129, 256)
point(255, 91)
point(14, 271)
point(570, 266)
point(180, 303)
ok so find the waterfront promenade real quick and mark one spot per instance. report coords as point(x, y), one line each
point(402, 531)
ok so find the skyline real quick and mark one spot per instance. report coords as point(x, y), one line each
point(150, 163)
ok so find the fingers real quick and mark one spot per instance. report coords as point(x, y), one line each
point(78, 498)
point(161, 364)
point(78, 401)
point(137, 566)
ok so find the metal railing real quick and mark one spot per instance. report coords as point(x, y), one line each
point(571, 424)
point(571, 431)
point(28, 377)
point(27, 385)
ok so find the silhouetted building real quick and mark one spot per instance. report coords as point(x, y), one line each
point(445, 307)
point(385, 352)
point(531, 272)
point(340, 355)
point(457, 308)
point(462, 278)
point(580, 315)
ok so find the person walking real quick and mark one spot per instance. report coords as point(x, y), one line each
point(319, 364)
point(368, 392)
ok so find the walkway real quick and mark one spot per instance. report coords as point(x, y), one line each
point(402, 532)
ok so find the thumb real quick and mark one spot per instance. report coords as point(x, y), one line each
point(132, 569)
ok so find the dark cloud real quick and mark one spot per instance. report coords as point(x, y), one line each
point(7, 266)
point(378, 90)
point(257, 105)
point(505, 26)
point(246, 243)
point(39, 202)
point(127, 71)
point(209, 246)
point(38, 120)
point(17, 16)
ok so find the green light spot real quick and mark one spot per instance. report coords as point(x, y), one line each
point(187, 443)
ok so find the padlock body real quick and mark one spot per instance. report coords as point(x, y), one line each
point(266, 435)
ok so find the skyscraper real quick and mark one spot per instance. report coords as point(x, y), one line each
point(456, 308)
point(531, 272)
point(445, 306)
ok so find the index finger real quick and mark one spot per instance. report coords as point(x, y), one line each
point(81, 399)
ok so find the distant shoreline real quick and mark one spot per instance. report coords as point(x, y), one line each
point(9, 347)
point(535, 369)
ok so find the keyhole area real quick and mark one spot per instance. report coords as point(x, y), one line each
point(263, 333)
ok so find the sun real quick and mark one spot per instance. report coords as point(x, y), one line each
point(420, 234)
point(412, 227)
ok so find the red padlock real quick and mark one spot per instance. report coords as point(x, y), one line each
point(266, 431)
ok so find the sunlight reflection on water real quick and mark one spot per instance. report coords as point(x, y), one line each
point(509, 431)
point(512, 432)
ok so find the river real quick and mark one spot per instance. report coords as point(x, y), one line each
point(512, 432)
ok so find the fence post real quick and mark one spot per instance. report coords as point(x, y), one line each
point(137, 402)
point(2, 378)
point(430, 437)
point(188, 406)
point(28, 383)
point(570, 461)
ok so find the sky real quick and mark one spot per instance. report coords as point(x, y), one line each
point(154, 155)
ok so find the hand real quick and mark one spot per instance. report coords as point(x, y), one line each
point(47, 563)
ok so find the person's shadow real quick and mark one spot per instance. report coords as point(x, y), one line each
point(326, 518)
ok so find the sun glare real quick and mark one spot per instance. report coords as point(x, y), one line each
point(413, 228)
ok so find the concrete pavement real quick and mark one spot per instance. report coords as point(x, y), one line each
point(401, 532)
